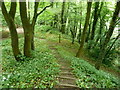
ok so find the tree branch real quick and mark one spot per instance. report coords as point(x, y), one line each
point(23, 15)
point(35, 13)
point(13, 9)
point(43, 10)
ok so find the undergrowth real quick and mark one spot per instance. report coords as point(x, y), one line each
point(39, 71)
point(86, 74)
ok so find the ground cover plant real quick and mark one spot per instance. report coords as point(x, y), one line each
point(39, 71)
point(60, 44)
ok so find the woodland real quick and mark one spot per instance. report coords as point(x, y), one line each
point(62, 44)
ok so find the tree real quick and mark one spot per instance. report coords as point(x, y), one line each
point(29, 27)
point(108, 36)
point(63, 21)
point(35, 19)
point(73, 25)
point(95, 19)
point(79, 34)
point(89, 4)
point(9, 18)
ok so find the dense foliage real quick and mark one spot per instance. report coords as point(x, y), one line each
point(39, 71)
point(78, 32)
point(88, 76)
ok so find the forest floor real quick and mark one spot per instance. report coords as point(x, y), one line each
point(70, 47)
point(66, 76)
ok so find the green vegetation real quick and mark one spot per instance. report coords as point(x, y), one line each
point(88, 76)
point(60, 44)
point(39, 71)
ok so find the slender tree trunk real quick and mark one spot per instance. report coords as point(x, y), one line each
point(63, 18)
point(109, 48)
point(100, 30)
point(95, 20)
point(28, 10)
point(89, 4)
point(79, 35)
point(33, 24)
point(73, 36)
point(35, 16)
point(9, 17)
point(108, 36)
point(80, 28)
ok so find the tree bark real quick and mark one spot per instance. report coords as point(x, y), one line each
point(109, 48)
point(27, 29)
point(108, 36)
point(62, 18)
point(80, 28)
point(89, 4)
point(34, 21)
point(9, 17)
point(95, 20)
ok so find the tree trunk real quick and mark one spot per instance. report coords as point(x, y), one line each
point(108, 36)
point(9, 17)
point(33, 24)
point(95, 20)
point(27, 29)
point(35, 16)
point(63, 18)
point(27, 42)
point(89, 4)
point(100, 30)
point(109, 48)
point(80, 28)
point(87, 37)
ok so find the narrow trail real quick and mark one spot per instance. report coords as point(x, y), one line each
point(66, 78)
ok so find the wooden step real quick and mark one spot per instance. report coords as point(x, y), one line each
point(66, 73)
point(66, 68)
point(66, 77)
point(67, 85)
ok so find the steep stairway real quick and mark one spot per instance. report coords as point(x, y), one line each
point(66, 78)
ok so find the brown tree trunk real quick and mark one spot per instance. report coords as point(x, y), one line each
point(27, 42)
point(89, 4)
point(108, 36)
point(63, 18)
point(95, 20)
point(9, 17)
point(27, 29)
point(109, 48)
point(34, 21)
point(33, 24)
point(80, 28)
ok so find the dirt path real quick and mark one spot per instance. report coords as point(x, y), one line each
point(66, 77)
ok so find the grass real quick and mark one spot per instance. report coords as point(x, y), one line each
point(87, 75)
point(39, 71)
point(42, 69)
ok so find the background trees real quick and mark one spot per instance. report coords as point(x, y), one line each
point(108, 35)
point(89, 4)
point(59, 37)
point(91, 29)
